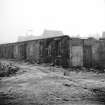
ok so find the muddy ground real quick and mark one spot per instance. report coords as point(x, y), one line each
point(44, 85)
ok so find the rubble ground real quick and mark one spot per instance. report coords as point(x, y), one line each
point(36, 84)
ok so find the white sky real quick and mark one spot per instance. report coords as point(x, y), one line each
point(84, 17)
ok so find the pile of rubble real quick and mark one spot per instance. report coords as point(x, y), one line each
point(7, 69)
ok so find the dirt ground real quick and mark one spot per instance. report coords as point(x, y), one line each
point(44, 85)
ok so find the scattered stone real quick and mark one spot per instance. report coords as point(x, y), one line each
point(7, 69)
point(66, 73)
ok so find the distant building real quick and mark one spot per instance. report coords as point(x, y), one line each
point(103, 34)
point(27, 37)
point(51, 33)
point(46, 33)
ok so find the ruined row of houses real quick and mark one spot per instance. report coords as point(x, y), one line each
point(61, 50)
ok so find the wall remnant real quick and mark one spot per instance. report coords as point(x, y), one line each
point(61, 50)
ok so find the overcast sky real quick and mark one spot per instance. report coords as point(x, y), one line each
point(73, 17)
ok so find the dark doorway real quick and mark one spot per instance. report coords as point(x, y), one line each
point(23, 51)
point(87, 58)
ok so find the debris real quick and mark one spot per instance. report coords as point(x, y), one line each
point(66, 73)
point(7, 69)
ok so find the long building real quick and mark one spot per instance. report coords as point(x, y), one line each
point(61, 50)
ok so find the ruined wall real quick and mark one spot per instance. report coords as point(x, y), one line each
point(87, 51)
point(9, 51)
point(45, 50)
point(91, 54)
point(63, 51)
point(95, 54)
point(76, 52)
point(6, 51)
point(32, 51)
point(101, 52)
point(16, 52)
point(1, 52)
point(55, 50)
point(20, 51)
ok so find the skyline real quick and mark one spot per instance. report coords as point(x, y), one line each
point(73, 17)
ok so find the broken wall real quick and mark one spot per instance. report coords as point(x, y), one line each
point(33, 51)
point(101, 52)
point(91, 54)
point(20, 51)
point(76, 52)
point(55, 50)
